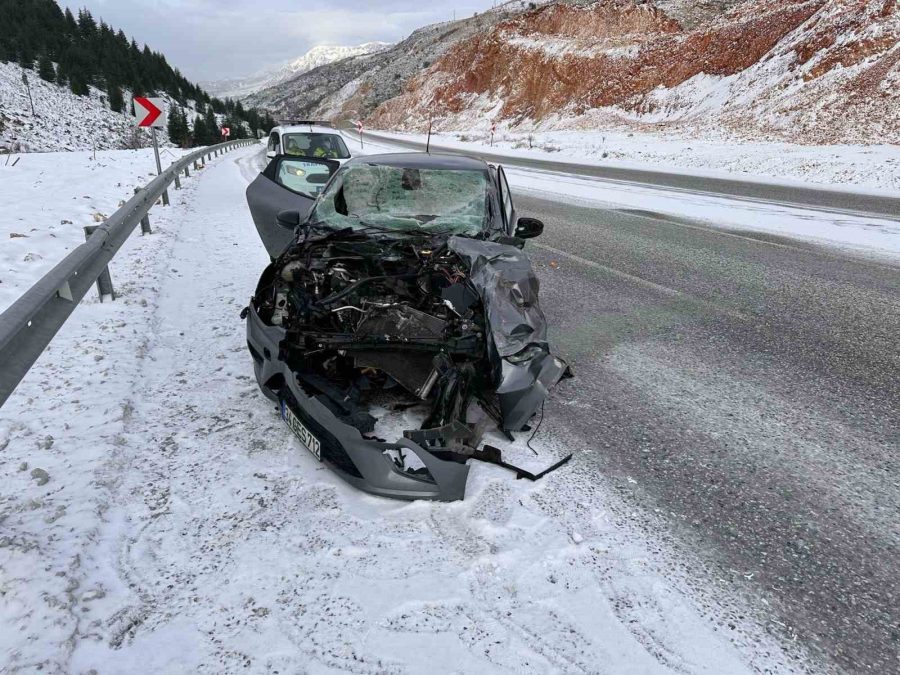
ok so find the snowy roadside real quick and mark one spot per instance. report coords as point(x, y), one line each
point(875, 167)
point(183, 529)
point(48, 198)
point(870, 236)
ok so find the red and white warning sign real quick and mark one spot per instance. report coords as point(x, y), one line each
point(493, 127)
point(226, 132)
point(359, 127)
point(149, 112)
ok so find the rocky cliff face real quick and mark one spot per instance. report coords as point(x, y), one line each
point(354, 87)
point(801, 70)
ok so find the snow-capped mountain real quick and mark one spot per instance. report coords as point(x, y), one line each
point(319, 55)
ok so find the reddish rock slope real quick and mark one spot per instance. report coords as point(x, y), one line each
point(801, 70)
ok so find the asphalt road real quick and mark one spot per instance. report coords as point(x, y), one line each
point(847, 201)
point(745, 390)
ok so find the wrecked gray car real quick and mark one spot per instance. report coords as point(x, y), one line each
point(398, 283)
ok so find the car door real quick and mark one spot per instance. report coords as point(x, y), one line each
point(506, 202)
point(286, 184)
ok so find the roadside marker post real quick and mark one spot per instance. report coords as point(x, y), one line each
point(150, 113)
point(493, 130)
point(359, 129)
point(428, 142)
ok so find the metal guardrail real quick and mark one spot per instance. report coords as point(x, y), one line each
point(31, 322)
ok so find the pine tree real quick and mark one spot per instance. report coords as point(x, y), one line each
point(212, 127)
point(177, 127)
point(26, 58)
point(116, 100)
point(45, 68)
point(199, 134)
point(62, 77)
point(78, 83)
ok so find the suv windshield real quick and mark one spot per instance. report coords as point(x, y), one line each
point(330, 146)
point(437, 200)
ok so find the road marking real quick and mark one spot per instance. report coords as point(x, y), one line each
point(644, 283)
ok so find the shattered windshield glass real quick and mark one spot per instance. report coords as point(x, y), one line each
point(396, 198)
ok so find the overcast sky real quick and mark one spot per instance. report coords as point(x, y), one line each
point(217, 39)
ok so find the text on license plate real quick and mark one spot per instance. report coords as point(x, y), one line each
point(306, 437)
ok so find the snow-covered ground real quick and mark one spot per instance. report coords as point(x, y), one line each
point(158, 517)
point(866, 166)
point(877, 237)
point(48, 198)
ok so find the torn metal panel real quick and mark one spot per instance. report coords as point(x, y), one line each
point(508, 287)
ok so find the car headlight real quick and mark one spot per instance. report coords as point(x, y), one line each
point(526, 354)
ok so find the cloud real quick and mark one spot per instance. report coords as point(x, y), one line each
point(219, 39)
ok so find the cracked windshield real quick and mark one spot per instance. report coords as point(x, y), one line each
point(437, 200)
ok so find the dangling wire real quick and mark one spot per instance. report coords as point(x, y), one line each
point(534, 433)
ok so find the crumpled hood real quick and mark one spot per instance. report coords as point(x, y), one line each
point(508, 287)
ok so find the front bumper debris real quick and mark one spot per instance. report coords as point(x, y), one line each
point(367, 464)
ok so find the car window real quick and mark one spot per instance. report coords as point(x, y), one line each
point(437, 200)
point(330, 146)
point(307, 178)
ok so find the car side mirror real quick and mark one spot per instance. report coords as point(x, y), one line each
point(528, 228)
point(289, 220)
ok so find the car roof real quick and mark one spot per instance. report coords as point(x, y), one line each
point(422, 160)
point(306, 129)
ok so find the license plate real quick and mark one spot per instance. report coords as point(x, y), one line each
point(306, 437)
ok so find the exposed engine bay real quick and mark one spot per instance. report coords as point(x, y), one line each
point(364, 314)
point(400, 320)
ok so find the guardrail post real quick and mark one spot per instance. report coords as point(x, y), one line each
point(104, 281)
point(165, 196)
point(187, 171)
point(177, 182)
point(145, 221)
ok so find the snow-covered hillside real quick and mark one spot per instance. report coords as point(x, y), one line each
point(61, 119)
point(319, 55)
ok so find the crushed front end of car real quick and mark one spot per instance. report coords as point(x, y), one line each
point(347, 322)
